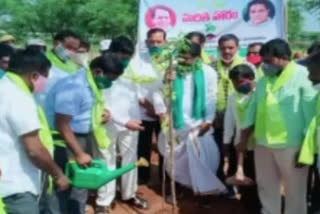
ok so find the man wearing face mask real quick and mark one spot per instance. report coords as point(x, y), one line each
point(75, 108)
point(147, 71)
point(254, 57)
point(243, 79)
point(229, 58)
point(65, 45)
point(280, 112)
point(81, 58)
point(123, 129)
point(26, 142)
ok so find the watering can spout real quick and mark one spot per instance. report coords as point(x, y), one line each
point(125, 169)
point(98, 173)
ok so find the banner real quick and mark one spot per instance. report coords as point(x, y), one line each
point(250, 20)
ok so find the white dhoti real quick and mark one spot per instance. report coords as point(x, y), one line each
point(122, 102)
point(196, 161)
point(126, 142)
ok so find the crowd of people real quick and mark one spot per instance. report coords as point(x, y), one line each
point(253, 119)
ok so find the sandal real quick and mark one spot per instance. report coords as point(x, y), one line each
point(139, 203)
point(102, 210)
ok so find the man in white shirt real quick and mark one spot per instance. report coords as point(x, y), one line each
point(149, 74)
point(122, 101)
point(242, 76)
point(197, 156)
point(22, 154)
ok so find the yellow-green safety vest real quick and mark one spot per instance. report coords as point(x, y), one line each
point(269, 121)
point(241, 107)
point(225, 86)
point(310, 142)
point(2, 207)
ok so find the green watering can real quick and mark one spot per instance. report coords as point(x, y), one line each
point(97, 174)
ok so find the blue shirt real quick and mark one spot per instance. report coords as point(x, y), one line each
point(72, 96)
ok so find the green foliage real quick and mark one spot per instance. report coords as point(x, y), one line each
point(312, 4)
point(295, 20)
point(94, 19)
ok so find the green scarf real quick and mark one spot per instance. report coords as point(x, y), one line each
point(199, 104)
point(225, 86)
point(68, 66)
point(269, 121)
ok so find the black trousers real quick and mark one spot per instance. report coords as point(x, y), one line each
point(145, 146)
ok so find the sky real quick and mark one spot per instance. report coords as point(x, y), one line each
point(312, 21)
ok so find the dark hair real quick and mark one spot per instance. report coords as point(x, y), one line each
point(36, 47)
point(62, 35)
point(255, 44)
point(109, 63)
point(315, 47)
point(312, 59)
point(85, 43)
point(228, 37)
point(5, 50)
point(156, 30)
point(200, 35)
point(276, 48)
point(27, 61)
point(268, 4)
point(194, 49)
point(122, 44)
point(241, 71)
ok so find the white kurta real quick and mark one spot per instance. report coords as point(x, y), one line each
point(142, 66)
point(197, 158)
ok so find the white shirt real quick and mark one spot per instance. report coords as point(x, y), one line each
point(142, 65)
point(18, 113)
point(232, 123)
point(211, 97)
point(122, 101)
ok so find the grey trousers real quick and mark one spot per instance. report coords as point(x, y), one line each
point(72, 201)
point(21, 203)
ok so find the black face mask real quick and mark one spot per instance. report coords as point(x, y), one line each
point(245, 87)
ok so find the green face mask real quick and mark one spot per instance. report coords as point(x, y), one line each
point(103, 82)
point(125, 62)
point(153, 50)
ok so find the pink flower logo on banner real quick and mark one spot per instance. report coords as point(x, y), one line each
point(162, 17)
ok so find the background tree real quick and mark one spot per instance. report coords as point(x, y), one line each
point(94, 19)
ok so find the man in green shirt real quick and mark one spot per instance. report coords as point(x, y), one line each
point(279, 114)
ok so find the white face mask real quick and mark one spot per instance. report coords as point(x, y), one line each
point(81, 59)
point(316, 87)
